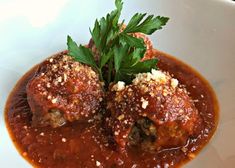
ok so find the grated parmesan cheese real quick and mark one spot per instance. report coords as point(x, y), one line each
point(119, 86)
point(174, 83)
point(145, 103)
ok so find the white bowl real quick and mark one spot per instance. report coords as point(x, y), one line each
point(201, 33)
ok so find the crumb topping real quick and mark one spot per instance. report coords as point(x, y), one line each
point(154, 75)
point(119, 86)
point(144, 103)
point(64, 84)
point(174, 83)
point(63, 139)
point(97, 163)
point(155, 95)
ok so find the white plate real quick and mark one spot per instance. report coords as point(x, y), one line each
point(200, 32)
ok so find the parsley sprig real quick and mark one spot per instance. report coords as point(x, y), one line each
point(120, 53)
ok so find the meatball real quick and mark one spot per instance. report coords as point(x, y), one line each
point(63, 90)
point(148, 44)
point(153, 112)
point(147, 41)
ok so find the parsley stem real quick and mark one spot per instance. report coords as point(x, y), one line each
point(100, 74)
point(110, 70)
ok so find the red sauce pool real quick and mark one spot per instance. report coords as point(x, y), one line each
point(85, 145)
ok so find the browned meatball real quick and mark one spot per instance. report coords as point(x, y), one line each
point(63, 90)
point(147, 41)
point(153, 112)
point(148, 44)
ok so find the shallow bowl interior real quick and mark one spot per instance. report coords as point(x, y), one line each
point(201, 33)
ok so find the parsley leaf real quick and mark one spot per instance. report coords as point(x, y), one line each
point(132, 41)
point(141, 67)
point(128, 62)
point(146, 26)
point(105, 58)
point(120, 53)
point(105, 29)
point(81, 53)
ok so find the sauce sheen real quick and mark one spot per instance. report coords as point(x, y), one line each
point(85, 145)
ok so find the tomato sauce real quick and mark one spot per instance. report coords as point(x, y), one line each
point(86, 145)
